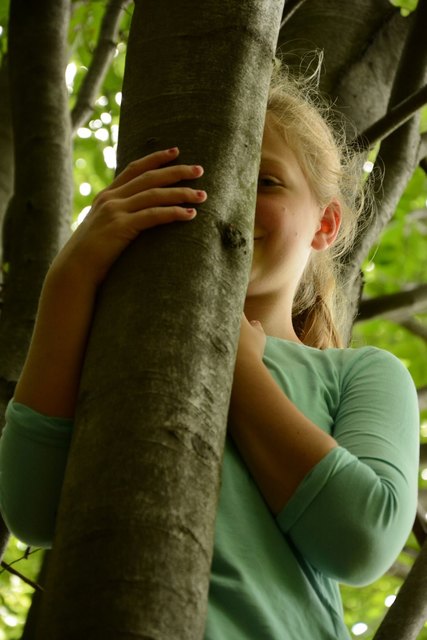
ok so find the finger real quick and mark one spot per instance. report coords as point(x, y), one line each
point(158, 216)
point(161, 177)
point(257, 325)
point(162, 196)
point(146, 163)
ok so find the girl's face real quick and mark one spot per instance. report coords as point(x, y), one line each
point(288, 220)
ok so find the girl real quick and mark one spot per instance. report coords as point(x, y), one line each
point(320, 468)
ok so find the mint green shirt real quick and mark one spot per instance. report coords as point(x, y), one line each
point(274, 578)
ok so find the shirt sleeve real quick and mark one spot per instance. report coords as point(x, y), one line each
point(352, 513)
point(33, 456)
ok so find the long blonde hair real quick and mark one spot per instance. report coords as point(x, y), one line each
point(309, 127)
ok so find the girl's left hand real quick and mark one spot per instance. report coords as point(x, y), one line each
point(252, 340)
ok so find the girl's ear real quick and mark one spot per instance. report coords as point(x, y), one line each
point(329, 225)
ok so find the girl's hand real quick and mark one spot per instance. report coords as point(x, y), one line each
point(252, 340)
point(144, 195)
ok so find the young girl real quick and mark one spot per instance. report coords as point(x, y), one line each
point(319, 477)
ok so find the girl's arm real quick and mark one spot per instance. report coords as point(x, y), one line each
point(142, 196)
point(278, 443)
point(347, 504)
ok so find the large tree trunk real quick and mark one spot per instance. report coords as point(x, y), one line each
point(134, 537)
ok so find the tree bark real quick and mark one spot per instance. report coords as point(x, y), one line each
point(135, 527)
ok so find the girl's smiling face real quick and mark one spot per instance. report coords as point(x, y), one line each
point(288, 220)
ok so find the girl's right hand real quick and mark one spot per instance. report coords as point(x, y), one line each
point(140, 197)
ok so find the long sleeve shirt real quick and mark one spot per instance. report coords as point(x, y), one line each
point(274, 577)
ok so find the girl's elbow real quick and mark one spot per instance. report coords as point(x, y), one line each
point(365, 554)
point(33, 534)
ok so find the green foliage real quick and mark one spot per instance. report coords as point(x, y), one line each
point(406, 6)
point(396, 263)
point(15, 594)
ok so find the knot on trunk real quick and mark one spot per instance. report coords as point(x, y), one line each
point(231, 236)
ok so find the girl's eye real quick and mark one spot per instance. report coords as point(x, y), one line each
point(268, 181)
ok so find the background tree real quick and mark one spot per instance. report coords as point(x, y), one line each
point(360, 70)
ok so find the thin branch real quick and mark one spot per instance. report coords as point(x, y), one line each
point(423, 151)
point(420, 525)
point(399, 570)
point(15, 572)
point(416, 327)
point(394, 306)
point(422, 398)
point(392, 120)
point(101, 60)
point(291, 6)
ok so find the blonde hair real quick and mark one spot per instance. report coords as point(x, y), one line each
point(312, 131)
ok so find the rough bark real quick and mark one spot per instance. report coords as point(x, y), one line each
point(133, 549)
point(37, 217)
point(363, 88)
point(320, 24)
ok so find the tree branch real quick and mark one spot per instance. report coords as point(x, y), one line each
point(423, 446)
point(423, 151)
point(393, 119)
point(422, 401)
point(20, 575)
point(101, 60)
point(291, 6)
point(420, 524)
point(416, 327)
point(394, 306)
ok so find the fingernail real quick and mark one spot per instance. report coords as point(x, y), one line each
point(172, 150)
point(191, 212)
point(201, 194)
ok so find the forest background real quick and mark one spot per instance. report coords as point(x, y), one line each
point(396, 264)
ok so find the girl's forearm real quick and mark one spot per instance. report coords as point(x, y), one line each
point(278, 443)
point(50, 377)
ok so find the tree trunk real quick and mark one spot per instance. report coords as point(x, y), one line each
point(134, 537)
point(37, 219)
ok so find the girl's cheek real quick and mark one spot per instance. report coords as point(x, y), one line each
point(269, 216)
